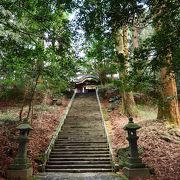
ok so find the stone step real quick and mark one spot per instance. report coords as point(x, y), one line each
point(92, 105)
point(75, 166)
point(89, 122)
point(79, 155)
point(77, 134)
point(81, 139)
point(88, 130)
point(87, 104)
point(81, 149)
point(81, 146)
point(77, 162)
point(84, 113)
point(78, 152)
point(82, 159)
point(69, 116)
point(62, 144)
point(83, 125)
point(86, 117)
point(88, 126)
point(80, 142)
point(85, 144)
point(65, 135)
point(83, 119)
point(79, 176)
point(80, 170)
point(85, 108)
point(81, 135)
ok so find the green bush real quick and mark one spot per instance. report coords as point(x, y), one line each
point(13, 92)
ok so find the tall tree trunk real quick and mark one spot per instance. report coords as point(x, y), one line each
point(128, 103)
point(168, 102)
point(135, 37)
point(139, 71)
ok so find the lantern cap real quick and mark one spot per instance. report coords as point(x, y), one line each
point(24, 126)
point(131, 125)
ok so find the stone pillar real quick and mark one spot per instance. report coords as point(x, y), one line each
point(134, 167)
point(21, 167)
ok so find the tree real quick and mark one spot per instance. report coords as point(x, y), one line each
point(98, 18)
point(35, 43)
point(100, 56)
point(164, 12)
point(159, 51)
point(128, 103)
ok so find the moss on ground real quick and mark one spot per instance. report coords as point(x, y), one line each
point(123, 154)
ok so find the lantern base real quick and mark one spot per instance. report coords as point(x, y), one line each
point(136, 172)
point(20, 163)
point(22, 174)
point(134, 162)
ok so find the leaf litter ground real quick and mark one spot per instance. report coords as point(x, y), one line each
point(44, 122)
point(161, 144)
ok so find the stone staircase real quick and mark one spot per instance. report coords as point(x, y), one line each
point(82, 144)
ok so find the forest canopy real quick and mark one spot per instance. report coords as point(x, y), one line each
point(137, 39)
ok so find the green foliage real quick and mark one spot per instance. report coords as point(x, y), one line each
point(11, 90)
point(37, 39)
point(149, 58)
point(100, 20)
point(58, 88)
point(108, 87)
point(100, 55)
point(35, 43)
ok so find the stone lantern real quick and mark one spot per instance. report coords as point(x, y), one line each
point(134, 167)
point(21, 167)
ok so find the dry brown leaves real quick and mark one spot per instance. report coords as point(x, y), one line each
point(44, 125)
point(159, 153)
point(6, 143)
